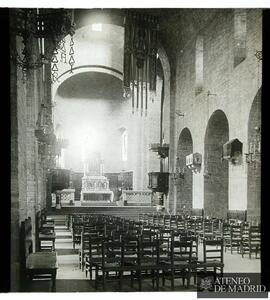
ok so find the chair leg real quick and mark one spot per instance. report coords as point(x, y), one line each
point(82, 266)
point(163, 278)
point(96, 278)
point(132, 278)
point(157, 280)
point(140, 280)
point(53, 281)
point(195, 277)
point(91, 272)
point(120, 280)
point(153, 278)
point(188, 281)
point(172, 280)
point(103, 280)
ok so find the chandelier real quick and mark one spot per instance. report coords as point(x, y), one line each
point(40, 25)
point(254, 148)
point(140, 59)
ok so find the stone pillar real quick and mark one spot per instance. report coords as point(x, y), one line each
point(171, 196)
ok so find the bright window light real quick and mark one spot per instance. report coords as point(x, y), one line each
point(97, 27)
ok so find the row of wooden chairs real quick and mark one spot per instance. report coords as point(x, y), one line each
point(239, 236)
point(38, 264)
point(168, 260)
point(242, 238)
point(204, 227)
point(45, 229)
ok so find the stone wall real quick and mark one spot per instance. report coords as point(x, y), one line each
point(28, 168)
point(231, 88)
point(254, 169)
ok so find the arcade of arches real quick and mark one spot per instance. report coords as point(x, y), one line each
point(99, 139)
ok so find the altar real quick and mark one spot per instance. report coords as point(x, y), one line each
point(95, 186)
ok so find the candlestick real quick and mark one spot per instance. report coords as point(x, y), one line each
point(42, 46)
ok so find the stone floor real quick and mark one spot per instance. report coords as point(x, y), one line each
point(70, 278)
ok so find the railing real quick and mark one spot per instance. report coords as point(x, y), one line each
point(135, 198)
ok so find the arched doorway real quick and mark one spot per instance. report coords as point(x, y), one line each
point(184, 185)
point(216, 173)
point(254, 169)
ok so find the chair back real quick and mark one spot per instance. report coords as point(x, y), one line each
point(255, 235)
point(235, 232)
point(207, 226)
point(112, 252)
point(26, 242)
point(147, 235)
point(130, 249)
point(148, 252)
point(226, 230)
point(195, 245)
point(213, 251)
point(181, 251)
point(95, 246)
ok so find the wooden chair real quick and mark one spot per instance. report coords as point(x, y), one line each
point(208, 230)
point(226, 234)
point(244, 245)
point(130, 263)
point(84, 246)
point(38, 265)
point(254, 240)
point(213, 262)
point(76, 232)
point(173, 222)
point(217, 228)
point(164, 236)
point(181, 223)
point(109, 268)
point(148, 234)
point(166, 221)
point(45, 234)
point(148, 262)
point(191, 227)
point(235, 239)
point(47, 222)
point(194, 253)
point(178, 264)
point(95, 254)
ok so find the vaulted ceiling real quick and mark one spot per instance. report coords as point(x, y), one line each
point(91, 85)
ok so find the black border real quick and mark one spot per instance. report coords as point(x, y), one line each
point(265, 211)
point(5, 203)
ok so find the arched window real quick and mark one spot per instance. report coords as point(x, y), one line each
point(240, 33)
point(124, 145)
point(199, 65)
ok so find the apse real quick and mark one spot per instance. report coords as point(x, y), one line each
point(90, 109)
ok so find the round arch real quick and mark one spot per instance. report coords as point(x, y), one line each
point(254, 170)
point(216, 170)
point(184, 185)
point(84, 69)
